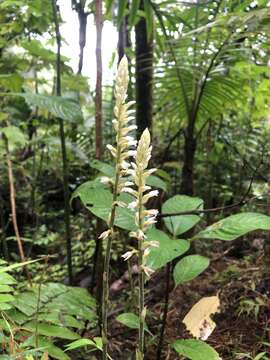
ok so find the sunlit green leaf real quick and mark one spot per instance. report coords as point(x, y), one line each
point(234, 226)
point(195, 350)
point(179, 203)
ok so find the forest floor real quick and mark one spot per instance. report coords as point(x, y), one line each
point(242, 283)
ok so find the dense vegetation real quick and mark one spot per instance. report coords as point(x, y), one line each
point(116, 248)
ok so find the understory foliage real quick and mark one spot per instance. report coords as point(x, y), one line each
point(153, 210)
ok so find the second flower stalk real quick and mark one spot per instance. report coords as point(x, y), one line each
point(143, 220)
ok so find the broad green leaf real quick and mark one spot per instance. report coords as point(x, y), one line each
point(189, 267)
point(195, 350)
point(168, 249)
point(156, 182)
point(99, 202)
point(64, 108)
point(52, 330)
point(234, 226)
point(180, 224)
point(130, 320)
point(85, 191)
point(103, 167)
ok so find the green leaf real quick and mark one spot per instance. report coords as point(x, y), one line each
point(156, 182)
point(195, 350)
point(180, 224)
point(14, 135)
point(133, 12)
point(12, 82)
point(64, 108)
point(234, 226)
point(189, 268)
point(52, 330)
point(103, 167)
point(4, 298)
point(57, 318)
point(130, 320)
point(6, 279)
point(38, 50)
point(122, 5)
point(99, 202)
point(149, 18)
point(108, 4)
point(17, 265)
point(81, 342)
point(5, 288)
point(54, 351)
point(260, 356)
point(168, 249)
point(64, 300)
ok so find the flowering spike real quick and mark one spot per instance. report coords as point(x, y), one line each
point(121, 152)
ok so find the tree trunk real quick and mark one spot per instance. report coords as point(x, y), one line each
point(144, 76)
point(187, 181)
point(82, 17)
point(65, 170)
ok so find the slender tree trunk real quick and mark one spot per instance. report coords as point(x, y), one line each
point(82, 16)
point(4, 246)
point(124, 43)
point(187, 179)
point(123, 39)
point(79, 7)
point(63, 146)
point(144, 76)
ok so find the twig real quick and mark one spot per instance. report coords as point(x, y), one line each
point(243, 201)
point(165, 311)
point(13, 208)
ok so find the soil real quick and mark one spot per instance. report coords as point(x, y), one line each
point(242, 283)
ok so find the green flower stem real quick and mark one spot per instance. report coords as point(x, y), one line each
point(141, 273)
point(107, 258)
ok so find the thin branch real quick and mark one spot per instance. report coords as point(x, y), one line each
point(245, 161)
point(243, 201)
point(13, 208)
